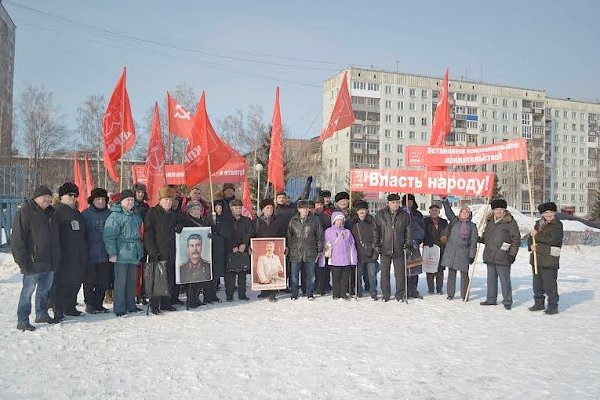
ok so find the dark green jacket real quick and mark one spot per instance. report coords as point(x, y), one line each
point(550, 236)
point(122, 235)
point(496, 234)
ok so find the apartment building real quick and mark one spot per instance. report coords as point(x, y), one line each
point(394, 110)
point(7, 63)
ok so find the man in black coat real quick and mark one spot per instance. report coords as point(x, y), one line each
point(435, 234)
point(36, 250)
point(159, 242)
point(74, 258)
point(362, 230)
point(391, 236)
point(241, 233)
point(268, 225)
point(99, 276)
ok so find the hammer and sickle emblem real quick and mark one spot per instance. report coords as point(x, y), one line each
point(181, 113)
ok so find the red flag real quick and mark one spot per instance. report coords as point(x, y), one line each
point(180, 120)
point(89, 185)
point(275, 169)
point(441, 119)
point(205, 147)
point(342, 115)
point(78, 180)
point(246, 200)
point(117, 128)
point(155, 160)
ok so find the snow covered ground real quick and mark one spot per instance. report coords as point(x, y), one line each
point(325, 349)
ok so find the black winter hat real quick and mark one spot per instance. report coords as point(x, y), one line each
point(235, 202)
point(498, 203)
point(303, 204)
point(325, 193)
point(127, 193)
point(97, 193)
point(41, 191)
point(266, 202)
point(320, 200)
point(406, 197)
point(139, 186)
point(68, 187)
point(550, 206)
point(342, 196)
point(393, 197)
point(361, 205)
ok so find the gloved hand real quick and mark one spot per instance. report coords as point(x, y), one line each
point(511, 259)
point(408, 246)
point(209, 235)
point(178, 228)
point(285, 251)
point(471, 260)
point(309, 179)
point(480, 239)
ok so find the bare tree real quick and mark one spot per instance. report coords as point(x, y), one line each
point(89, 127)
point(40, 124)
point(245, 132)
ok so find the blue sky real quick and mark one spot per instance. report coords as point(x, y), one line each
point(69, 47)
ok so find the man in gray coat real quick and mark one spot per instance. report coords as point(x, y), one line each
point(502, 239)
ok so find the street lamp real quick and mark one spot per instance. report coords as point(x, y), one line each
point(258, 168)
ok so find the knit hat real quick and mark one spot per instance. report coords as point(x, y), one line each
point(266, 202)
point(337, 215)
point(406, 197)
point(361, 205)
point(139, 187)
point(125, 194)
point(193, 203)
point(325, 193)
point(41, 191)
point(228, 186)
point(342, 196)
point(235, 202)
point(68, 187)
point(320, 200)
point(550, 206)
point(166, 192)
point(303, 204)
point(498, 203)
point(97, 193)
point(393, 197)
point(311, 204)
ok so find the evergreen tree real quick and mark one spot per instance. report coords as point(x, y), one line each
point(496, 189)
point(595, 213)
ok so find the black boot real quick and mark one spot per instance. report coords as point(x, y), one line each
point(537, 306)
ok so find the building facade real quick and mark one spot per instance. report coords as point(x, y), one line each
point(7, 64)
point(394, 110)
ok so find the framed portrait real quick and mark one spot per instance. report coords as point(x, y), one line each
point(267, 264)
point(193, 255)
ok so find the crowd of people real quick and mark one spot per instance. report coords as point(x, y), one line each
point(331, 247)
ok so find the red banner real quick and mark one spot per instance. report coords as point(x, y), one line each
point(234, 171)
point(512, 150)
point(423, 182)
point(342, 115)
point(155, 160)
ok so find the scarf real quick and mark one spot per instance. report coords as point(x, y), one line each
point(465, 229)
point(436, 222)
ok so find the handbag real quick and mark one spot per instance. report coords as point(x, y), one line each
point(156, 282)
point(413, 258)
point(238, 263)
point(329, 247)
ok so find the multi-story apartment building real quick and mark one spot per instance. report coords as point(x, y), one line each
point(7, 63)
point(394, 110)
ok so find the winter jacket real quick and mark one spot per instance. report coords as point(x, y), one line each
point(391, 232)
point(141, 208)
point(498, 234)
point(224, 202)
point(73, 246)
point(304, 239)
point(417, 226)
point(241, 233)
point(548, 237)
point(275, 227)
point(159, 233)
point(343, 250)
point(122, 235)
point(94, 219)
point(458, 251)
point(434, 235)
point(324, 219)
point(34, 240)
point(363, 237)
point(285, 213)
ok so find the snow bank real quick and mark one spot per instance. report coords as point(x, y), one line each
point(324, 349)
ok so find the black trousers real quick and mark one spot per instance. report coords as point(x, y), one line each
point(544, 283)
point(464, 282)
point(65, 295)
point(438, 277)
point(322, 279)
point(341, 278)
point(399, 274)
point(99, 277)
point(413, 282)
point(230, 284)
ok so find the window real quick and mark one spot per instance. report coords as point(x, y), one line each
point(400, 91)
point(388, 104)
point(504, 103)
point(424, 93)
point(515, 104)
point(400, 119)
point(495, 114)
point(399, 148)
point(387, 147)
point(400, 105)
point(424, 121)
point(483, 127)
point(411, 120)
point(412, 92)
point(411, 134)
point(494, 101)
point(505, 116)
point(460, 96)
point(504, 128)
point(484, 100)
point(424, 107)
point(423, 135)
point(471, 97)
point(494, 128)
point(386, 162)
point(388, 89)
point(373, 86)
point(412, 106)
point(388, 134)
point(484, 113)
point(400, 134)
point(388, 118)
point(515, 117)
point(483, 140)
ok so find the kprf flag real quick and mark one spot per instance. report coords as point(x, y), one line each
point(89, 184)
point(275, 168)
point(180, 120)
point(78, 180)
point(117, 128)
point(342, 115)
point(155, 160)
point(246, 200)
point(441, 120)
point(206, 152)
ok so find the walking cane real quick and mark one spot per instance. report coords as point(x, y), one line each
point(405, 276)
point(356, 281)
point(482, 223)
point(151, 290)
